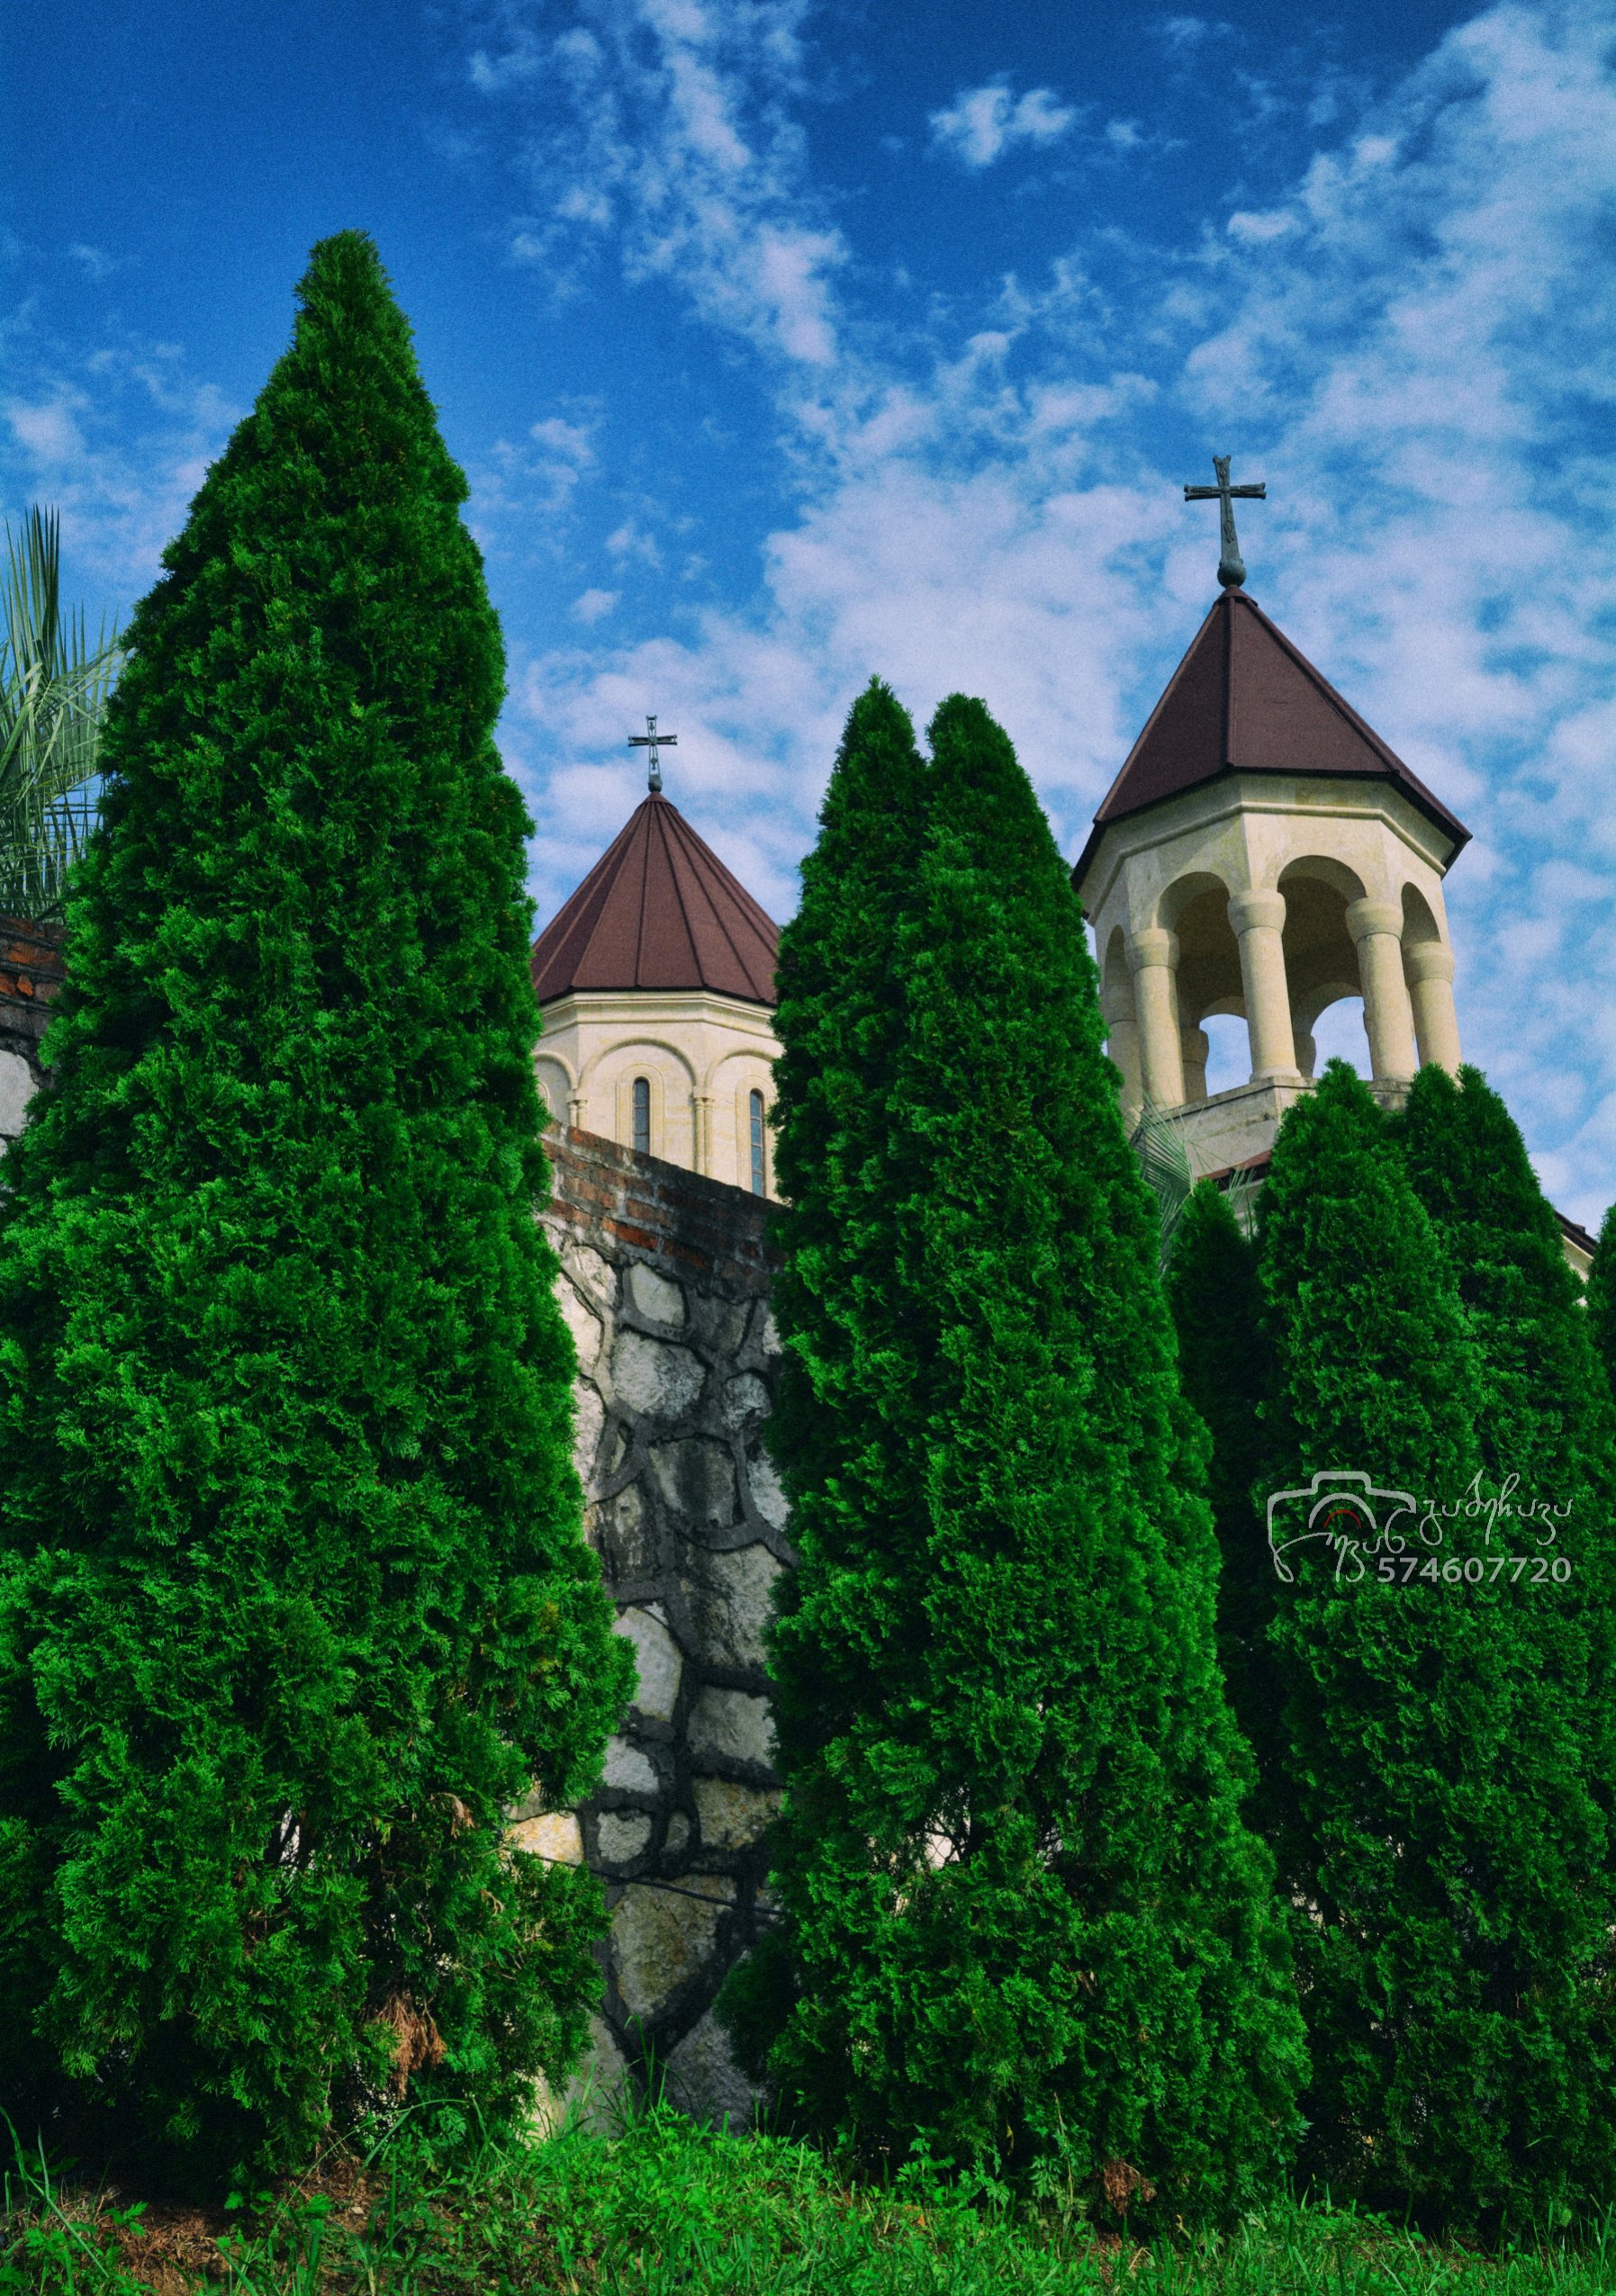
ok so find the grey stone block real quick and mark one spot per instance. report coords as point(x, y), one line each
point(655, 1376)
point(696, 1477)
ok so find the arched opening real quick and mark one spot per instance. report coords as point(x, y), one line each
point(1321, 964)
point(1228, 1052)
point(1338, 1033)
point(642, 1115)
point(1217, 1057)
point(756, 1111)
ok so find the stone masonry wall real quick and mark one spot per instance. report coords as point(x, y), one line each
point(31, 973)
point(665, 1280)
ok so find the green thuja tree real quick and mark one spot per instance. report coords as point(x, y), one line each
point(292, 1596)
point(1216, 1302)
point(1544, 1416)
point(846, 1371)
point(1602, 1300)
point(1021, 1919)
point(1547, 1491)
point(1431, 1825)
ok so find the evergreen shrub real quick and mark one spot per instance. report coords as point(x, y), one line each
point(1022, 1923)
point(294, 1601)
point(1601, 1299)
point(1434, 1832)
point(1216, 1302)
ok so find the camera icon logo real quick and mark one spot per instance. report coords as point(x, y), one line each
point(1343, 1512)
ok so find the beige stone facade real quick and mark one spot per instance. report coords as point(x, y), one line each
point(701, 1058)
point(1271, 896)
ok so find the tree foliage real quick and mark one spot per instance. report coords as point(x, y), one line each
point(1602, 1300)
point(1021, 1914)
point(1428, 1806)
point(292, 1594)
point(1216, 1302)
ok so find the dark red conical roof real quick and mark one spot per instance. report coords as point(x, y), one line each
point(1245, 699)
point(658, 910)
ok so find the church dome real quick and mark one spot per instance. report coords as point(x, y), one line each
point(658, 911)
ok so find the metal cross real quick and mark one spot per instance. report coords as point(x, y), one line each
point(1231, 565)
point(652, 741)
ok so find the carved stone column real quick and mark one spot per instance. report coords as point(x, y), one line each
point(576, 1103)
point(1193, 1048)
point(1122, 1040)
point(1430, 969)
point(1153, 960)
point(1258, 920)
point(701, 1144)
point(1377, 927)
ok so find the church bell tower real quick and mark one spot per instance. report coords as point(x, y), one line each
point(1264, 853)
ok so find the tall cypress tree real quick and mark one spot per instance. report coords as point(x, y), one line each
point(1543, 1417)
point(292, 1595)
point(1020, 1911)
point(1544, 1436)
point(1601, 1299)
point(1216, 1302)
point(1430, 1823)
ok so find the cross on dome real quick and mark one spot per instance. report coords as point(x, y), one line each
point(652, 741)
point(1230, 566)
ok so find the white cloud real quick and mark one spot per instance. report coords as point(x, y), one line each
point(631, 541)
point(93, 262)
point(983, 123)
point(1408, 346)
point(674, 133)
point(118, 441)
point(1187, 35)
point(570, 442)
point(49, 432)
point(1248, 225)
point(594, 606)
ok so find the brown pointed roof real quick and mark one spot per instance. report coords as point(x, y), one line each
point(658, 910)
point(1244, 699)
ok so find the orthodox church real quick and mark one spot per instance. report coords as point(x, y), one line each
point(1263, 853)
point(657, 984)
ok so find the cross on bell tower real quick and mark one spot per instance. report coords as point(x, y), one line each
point(652, 741)
point(1230, 566)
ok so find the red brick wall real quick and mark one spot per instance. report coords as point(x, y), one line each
point(699, 1226)
point(32, 971)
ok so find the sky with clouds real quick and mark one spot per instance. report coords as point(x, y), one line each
point(783, 343)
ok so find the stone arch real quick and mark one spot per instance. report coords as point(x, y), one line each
point(729, 1085)
point(1193, 886)
point(658, 1048)
point(1420, 926)
point(606, 1090)
point(1325, 869)
point(556, 1084)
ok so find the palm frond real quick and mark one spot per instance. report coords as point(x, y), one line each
point(1164, 1159)
point(53, 690)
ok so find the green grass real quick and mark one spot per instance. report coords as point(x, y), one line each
point(661, 2207)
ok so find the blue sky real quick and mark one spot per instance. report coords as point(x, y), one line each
point(783, 343)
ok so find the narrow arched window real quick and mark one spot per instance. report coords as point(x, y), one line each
point(757, 1143)
point(642, 1114)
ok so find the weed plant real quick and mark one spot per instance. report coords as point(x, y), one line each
point(652, 2205)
